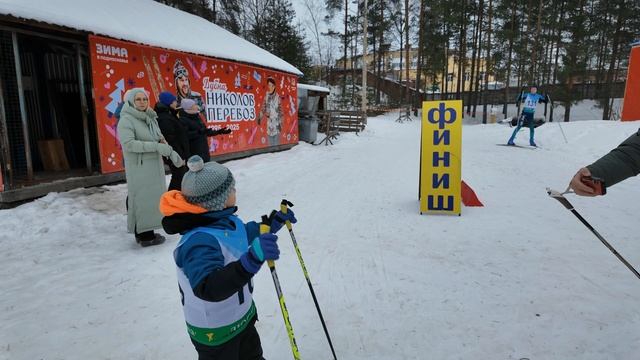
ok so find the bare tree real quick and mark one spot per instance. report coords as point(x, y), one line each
point(394, 8)
point(253, 16)
point(315, 16)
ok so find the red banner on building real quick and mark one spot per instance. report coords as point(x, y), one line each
point(231, 95)
point(631, 105)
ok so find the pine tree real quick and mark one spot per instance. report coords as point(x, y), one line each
point(434, 44)
point(574, 59)
point(276, 35)
point(616, 28)
point(224, 13)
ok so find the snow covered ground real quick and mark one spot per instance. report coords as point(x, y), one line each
point(518, 278)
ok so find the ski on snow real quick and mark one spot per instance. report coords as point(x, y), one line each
point(520, 146)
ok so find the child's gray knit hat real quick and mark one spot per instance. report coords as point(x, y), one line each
point(207, 185)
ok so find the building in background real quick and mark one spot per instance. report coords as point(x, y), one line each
point(64, 68)
point(393, 66)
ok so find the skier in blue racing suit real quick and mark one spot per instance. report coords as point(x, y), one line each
point(530, 100)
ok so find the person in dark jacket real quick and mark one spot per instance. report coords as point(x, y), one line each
point(196, 130)
point(216, 259)
point(621, 163)
point(174, 132)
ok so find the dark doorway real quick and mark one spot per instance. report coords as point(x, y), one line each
point(54, 140)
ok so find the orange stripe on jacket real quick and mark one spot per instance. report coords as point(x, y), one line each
point(173, 202)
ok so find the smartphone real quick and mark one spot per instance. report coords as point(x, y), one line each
point(596, 184)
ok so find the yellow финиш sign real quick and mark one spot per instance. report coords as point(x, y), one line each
point(441, 157)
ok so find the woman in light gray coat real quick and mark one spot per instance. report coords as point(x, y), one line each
point(143, 147)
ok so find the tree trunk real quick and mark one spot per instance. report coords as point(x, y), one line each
point(346, 22)
point(509, 60)
point(488, 69)
point(547, 52)
point(462, 51)
point(603, 49)
point(476, 93)
point(375, 53)
point(472, 80)
point(381, 57)
point(558, 42)
point(401, 58)
point(572, 56)
point(445, 87)
point(534, 52)
point(407, 47)
point(354, 49)
point(421, 30)
point(606, 112)
point(526, 73)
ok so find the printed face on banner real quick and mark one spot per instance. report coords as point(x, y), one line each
point(258, 105)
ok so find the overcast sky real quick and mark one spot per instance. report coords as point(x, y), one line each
point(301, 11)
point(302, 15)
point(299, 8)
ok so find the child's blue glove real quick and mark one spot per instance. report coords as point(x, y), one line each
point(278, 219)
point(262, 248)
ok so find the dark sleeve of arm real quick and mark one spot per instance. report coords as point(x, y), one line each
point(223, 283)
point(202, 261)
point(192, 131)
point(211, 132)
point(167, 130)
point(621, 163)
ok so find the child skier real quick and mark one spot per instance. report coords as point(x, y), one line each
point(530, 100)
point(216, 259)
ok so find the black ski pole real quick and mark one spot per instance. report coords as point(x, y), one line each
point(563, 200)
point(284, 205)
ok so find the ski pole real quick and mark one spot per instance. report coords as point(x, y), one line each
point(264, 228)
point(557, 122)
point(284, 205)
point(563, 135)
point(563, 200)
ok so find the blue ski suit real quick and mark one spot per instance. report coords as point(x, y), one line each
point(530, 101)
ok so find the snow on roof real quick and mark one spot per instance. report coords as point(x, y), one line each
point(146, 22)
point(313, 88)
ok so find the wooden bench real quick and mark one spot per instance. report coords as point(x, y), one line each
point(351, 123)
point(348, 120)
point(329, 126)
point(334, 121)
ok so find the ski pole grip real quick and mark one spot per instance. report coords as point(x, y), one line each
point(284, 206)
point(264, 228)
point(558, 196)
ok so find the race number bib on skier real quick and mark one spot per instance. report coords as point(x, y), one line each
point(531, 102)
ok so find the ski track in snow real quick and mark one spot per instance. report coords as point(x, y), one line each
point(518, 278)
